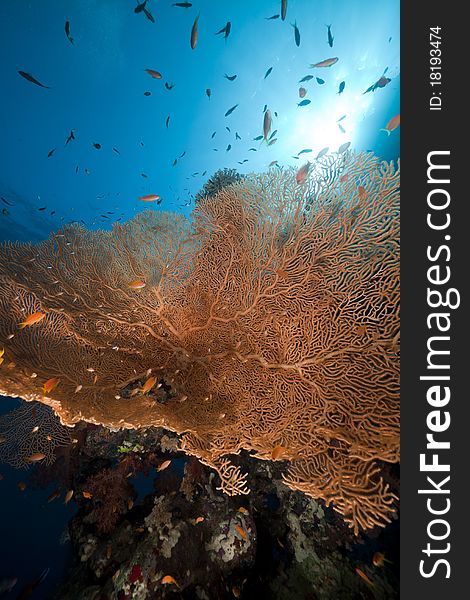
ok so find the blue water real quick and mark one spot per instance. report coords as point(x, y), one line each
point(97, 88)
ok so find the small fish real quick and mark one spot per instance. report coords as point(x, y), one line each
point(181, 155)
point(272, 18)
point(273, 134)
point(50, 153)
point(230, 77)
point(225, 30)
point(302, 92)
point(36, 457)
point(169, 86)
point(302, 173)
point(380, 83)
point(142, 175)
point(268, 72)
point(53, 496)
point(241, 532)
point(267, 121)
point(379, 559)
point(154, 74)
point(322, 152)
point(149, 15)
point(304, 103)
point(265, 108)
point(96, 145)
point(116, 150)
point(341, 87)
point(173, 164)
point(341, 128)
point(147, 93)
point(194, 32)
point(78, 388)
point(182, 4)
point(198, 520)
point(278, 451)
point(252, 150)
point(150, 198)
point(87, 495)
point(167, 122)
point(42, 208)
point(330, 37)
point(363, 576)
point(296, 34)
point(71, 136)
point(213, 135)
point(68, 496)
point(148, 385)
point(169, 579)
point(306, 78)
point(283, 9)
point(228, 147)
point(208, 93)
point(137, 284)
point(392, 124)
point(165, 464)
point(320, 81)
point(230, 110)
point(237, 137)
point(6, 202)
point(328, 62)
point(341, 119)
point(140, 7)
point(32, 319)
point(67, 32)
point(271, 142)
point(305, 150)
point(50, 385)
point(30, 78)
point(343, 147)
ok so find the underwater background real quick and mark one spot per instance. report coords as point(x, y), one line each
point(135, 135)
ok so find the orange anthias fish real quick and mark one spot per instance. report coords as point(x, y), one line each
point(194, 33)
point(36, 457)
point(150, 198)
point(283, 9)
point(87, 495)
point(198, 520)
point(277, 452)
point(154, 74)
point(302, 92)
point(302, 173)
point(392, 124)
point(379, 559)
point(165, 464)
point(169, 579)
point(32, 319)
point(68, 496)
point(148, 385)
point(241, 531)
point(363, 576)
point(325, 63)
point(137, 284)
point(50, 384)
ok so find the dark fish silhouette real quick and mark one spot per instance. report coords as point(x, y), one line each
point(181, 155)
point(116, 150)
point(147, 93)
point(342, 129)
point(76, 170)
point(237, 137)
point(306, 78)
point(32, 79)
point(228, 147)
point(208, 93)
point(167, 121)
point(272, 18)
point(380, 83)
point(320, 81)
point(343, 117)
point(42, 208)
point(258, 138)
point(305, 151)
point(213, 135)
point(252, 150)
point(6, 202)
point(304, 103)
point(230, 77)
point(341, 87)
point(97, 146)
point(268, 72)
point(283, 9)
point(227, 128)
point(182, 4)
point(296, 34)
point(140, 7)
point(272, 134)
point(71, 137)
point(230, 110)
point(330, 37)
point(50, 153)
point(149, 15)
point(67, 32)
point(225, 30)
point(265, 108)
point(174, 162)
point(169, 87)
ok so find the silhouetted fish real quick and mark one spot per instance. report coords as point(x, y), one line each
point(341, 87)
point(149, 15)
point(32, 79)
point(283, 9)
point(304, 103)
point(296, 34)
point(306, 78)
point(50, 153)
point(140, 7)
point(330, 37)
point(167, 121)
point(194, 32)
point(71, 136)
point(225, 30)
point(67, 31)
point(116, 150)
point(320, 81)
point(169, 87)
point(230, 110)
point(230, 77)
point(6, 202)
point(213, 135)
point(228, 148)
point(96, 145)
point(272, 18)
point(182, 4)
point(268, 72)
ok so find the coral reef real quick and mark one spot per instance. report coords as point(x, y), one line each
point(270, 319)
